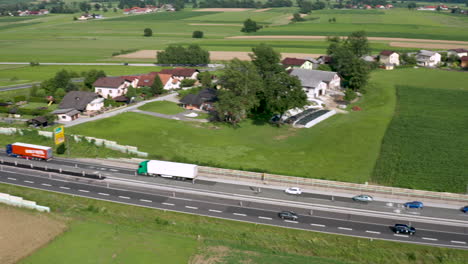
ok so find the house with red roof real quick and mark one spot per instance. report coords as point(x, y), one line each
point(389, 57)
point(290, 63)
point(182, 73)
point(464, 62)
point(380, 6)
point(457, 52)
point(110, 87)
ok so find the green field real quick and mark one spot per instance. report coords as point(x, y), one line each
point(28, 74)
point(98, 242)
point(425, 146)
point(104, 232)
point(163, 107)
point(57, 38)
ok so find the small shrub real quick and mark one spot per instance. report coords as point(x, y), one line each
point(34, 63)
point(197, 34)
point(19, 98)
point(350, 95)
point(61, 149)
point(147, 32)
point(187, 82)
point(161, 221)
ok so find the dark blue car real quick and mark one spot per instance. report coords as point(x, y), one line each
point(414, 204)
point(465, 209)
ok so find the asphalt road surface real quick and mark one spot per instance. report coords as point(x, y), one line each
point(228, 207)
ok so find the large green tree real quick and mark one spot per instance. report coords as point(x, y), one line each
point(250, 26)
point(157, 87)
point(358, 43)
point(240, 83)
point(91, 76)
point(193, 54)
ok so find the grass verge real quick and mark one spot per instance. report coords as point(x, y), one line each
point(163, 107)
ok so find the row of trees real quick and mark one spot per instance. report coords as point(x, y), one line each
point(259, 88)
point(62, 83)
point(192, 55)
point(306, 7)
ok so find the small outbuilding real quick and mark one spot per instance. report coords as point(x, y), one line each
point(38, 121)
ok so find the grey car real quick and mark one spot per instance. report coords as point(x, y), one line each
point(363, 198)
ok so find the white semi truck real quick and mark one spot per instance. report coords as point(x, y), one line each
point(175, 170)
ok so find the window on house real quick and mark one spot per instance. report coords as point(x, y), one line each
point(64, 117)
point(99, 90)
point(110, 91)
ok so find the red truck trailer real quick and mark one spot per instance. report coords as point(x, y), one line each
point(29, 151)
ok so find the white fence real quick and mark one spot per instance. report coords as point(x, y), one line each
point(97, 141)
point(20, 202)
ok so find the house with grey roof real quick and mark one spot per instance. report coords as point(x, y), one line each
point(316, 83)
point(428, 58)
point(204, 100)
point(75, 103)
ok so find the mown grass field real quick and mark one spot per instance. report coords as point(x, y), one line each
point(99, 242)
point(425, 146)
point(57, 38)
point(101, 229)
point(344, 147)
point(163, 107)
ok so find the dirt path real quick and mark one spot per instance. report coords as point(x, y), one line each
point(370, 38)
point(23, 232)
point(214, 55)
point(261, 10)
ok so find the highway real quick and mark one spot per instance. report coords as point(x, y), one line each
point(353, 220)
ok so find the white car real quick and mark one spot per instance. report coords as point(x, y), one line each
point(293, 190)
point(363, 198)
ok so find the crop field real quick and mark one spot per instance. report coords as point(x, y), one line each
point(345, 147)
point(57, 38)
point(23, 231)
point(111, 233)
point(425, 144)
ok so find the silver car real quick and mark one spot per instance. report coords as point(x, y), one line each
point(363, 198)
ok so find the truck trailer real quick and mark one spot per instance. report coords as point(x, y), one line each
point(29, 151)
point(166, 169)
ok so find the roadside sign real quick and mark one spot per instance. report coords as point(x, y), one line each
point(59, 134)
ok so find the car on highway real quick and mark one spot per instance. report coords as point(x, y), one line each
point(404, 229)
point(363, 198)
point(414, 204)
point(465, 209)
point(293, 190)
point(288, 215)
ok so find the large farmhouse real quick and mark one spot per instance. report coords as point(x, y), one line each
point(110, 87)
point(316, 83)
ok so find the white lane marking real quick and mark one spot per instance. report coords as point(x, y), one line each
point(290, 221)
point(105, 194)
point(168, 204)
point(45, 184)
point(29, 181)
point(83, 190)
point(148, 201)
point(266, 218)
point(124, 197)
point(319, 225)
point(373, 232)
point(429, 238)
point(63, 187)
point(191, 207)
point(345, 228)
point(398, 235)
point(239, 214)
point(215, 211)
point(113, 170)
point(458, 242)
point(13, 179)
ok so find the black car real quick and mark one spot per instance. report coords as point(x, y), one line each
point(288, 215)
point(404, 229)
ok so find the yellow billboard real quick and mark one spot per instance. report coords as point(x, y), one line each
point(59, 134)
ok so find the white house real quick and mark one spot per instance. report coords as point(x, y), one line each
point(458, 52)
point(316, 83)
point(428, 58)
point(181, 73)
point(290, 63)
point(113, 86)
point(169, 82)
point(76, 102)
point(389, 57)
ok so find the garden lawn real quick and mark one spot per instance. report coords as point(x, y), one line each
point(426, 146)
point(344, 147)
point(163, 107)
point(97, 242)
